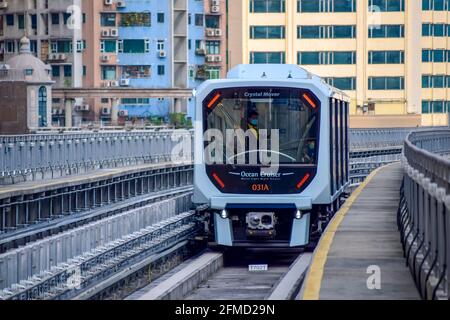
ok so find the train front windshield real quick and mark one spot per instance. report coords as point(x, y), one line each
point(290, 112)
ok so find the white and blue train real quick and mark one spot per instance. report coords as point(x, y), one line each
point(296, 118)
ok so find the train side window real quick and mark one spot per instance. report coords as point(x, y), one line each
point(332, 146)
point(338, 145)
point(347, 143)
point(342, 141)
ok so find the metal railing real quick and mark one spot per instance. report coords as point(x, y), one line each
point(48, 156)
point(424, 211)
point(366, 139)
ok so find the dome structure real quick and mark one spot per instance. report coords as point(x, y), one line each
point(34, 70)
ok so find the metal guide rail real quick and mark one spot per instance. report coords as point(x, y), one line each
point(424, 211)
point(39, 256)
point(360, 168)
point(47, 156)
point(25, 210)
point(68, 280)
point(21, 237)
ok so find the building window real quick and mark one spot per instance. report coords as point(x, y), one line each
point(55, 18)
point(267, 57)
point(212, 22)
point(436, 5)
point(160, 17)
point(313, 6)
point(108, 73)
point(134, 46)
point(68, 71)
point(62, 46)
point(108, 19)
point(213, 73)
point(10, 47)
point(212, 47)
point(66, 17)
point(387, 31)
point(136, 72)
point(435, 81)
point(344, 83)
point(161, 70)
point(21, 19)
point(42, 98)
point(386, 57)
point(56, 71)
point(326, 57)
point(199, 20)
point(387, 5)
point(267, 32)
point(435, 106)
point(135, 101)
point(267, 6)
point(135, 19)
point(386, 83)
point(326, 32)
point(160, 45)
point(10, 20)
point(437, 55)
point(435, 30)
point(108, 46)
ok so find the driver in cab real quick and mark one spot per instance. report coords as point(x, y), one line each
point(252, 124)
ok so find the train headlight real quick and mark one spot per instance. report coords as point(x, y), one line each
point(224, 214)
point(298, 215)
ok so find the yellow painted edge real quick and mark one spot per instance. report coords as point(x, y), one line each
point(313, 280)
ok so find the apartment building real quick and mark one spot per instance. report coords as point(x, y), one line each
point(215, 38)
point(52, 35)
point(128, 43)
point(390, 56)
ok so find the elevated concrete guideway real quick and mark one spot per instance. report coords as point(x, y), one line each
point(363, 237)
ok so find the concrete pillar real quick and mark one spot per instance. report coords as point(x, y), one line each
point(115, 112)
point(413, 72)
point(68, 106)
point(177, 103)
point(361, 52)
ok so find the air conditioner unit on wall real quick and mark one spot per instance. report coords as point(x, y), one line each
point(120, 4)
point(215, 9)
point(124, 82)
point(53, 56)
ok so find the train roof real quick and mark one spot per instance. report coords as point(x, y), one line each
point(277, 72)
